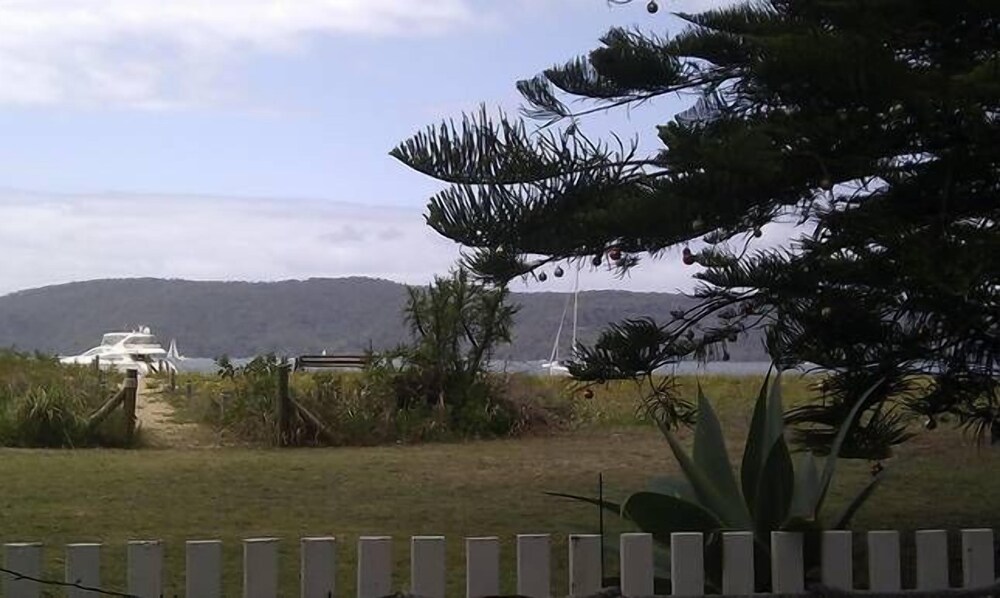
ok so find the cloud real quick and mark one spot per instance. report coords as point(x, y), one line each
point(47, 239)
point(164, 54)
point(156, 54)
point(51, 239)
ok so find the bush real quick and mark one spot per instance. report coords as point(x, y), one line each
point(238, 401)
point(46, 404)
point(370, 407)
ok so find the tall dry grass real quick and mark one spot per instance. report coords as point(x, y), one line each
point(46, 404)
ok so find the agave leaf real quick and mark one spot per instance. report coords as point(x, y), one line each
point(662, 515)
point(672, 486)
point(806, 488)
point(774, 418)
point(608, 505)
point(753, 451)
point(830, 466)
point(731, 515)
point(709, 453)
point(774, 493)
point(844, 519)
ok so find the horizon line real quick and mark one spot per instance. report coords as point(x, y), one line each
point(309, 279)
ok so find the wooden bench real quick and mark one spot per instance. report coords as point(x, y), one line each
point(354, 362)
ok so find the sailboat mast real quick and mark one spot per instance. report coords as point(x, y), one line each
point(576, 296)
point(555, 346)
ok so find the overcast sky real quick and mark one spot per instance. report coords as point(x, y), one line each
point(249, 139)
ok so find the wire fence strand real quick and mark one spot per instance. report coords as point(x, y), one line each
point(64, 584)
point(813, 591)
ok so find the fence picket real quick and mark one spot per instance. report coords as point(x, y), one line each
point(83, 567)
point(260, 568)
point(978, 567)
point(637, 564)
point(737, 563)
point(584, 564)
point(932, 559)
point(427, 566)
point(838, 559)
point(203, 567)
point(533, 575)
point(145, 568)
point(482, 567)
point(883, 561)
point(24, 558)
point(787, 571)
point(374, 566)
point(318, 567)
point(687, 563)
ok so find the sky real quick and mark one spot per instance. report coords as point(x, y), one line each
point(249, 139)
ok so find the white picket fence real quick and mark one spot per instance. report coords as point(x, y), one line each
point(318, 565)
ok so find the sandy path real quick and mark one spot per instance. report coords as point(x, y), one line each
point(160, 427)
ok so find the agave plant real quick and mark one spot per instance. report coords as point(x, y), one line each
point(771, 492)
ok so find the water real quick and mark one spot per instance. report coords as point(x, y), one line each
point(712, 368)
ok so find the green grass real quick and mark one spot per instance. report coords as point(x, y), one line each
point(617, 403)
point(457, 490)
point(483, 488)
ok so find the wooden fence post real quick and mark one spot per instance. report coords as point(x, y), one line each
point(533, 568)
point(97, 372)
point(584, 564)
point(284, 407)
point(260, 568)
point(482, 567)
point(374, 566)
point(131, 388)
point(24, 558)
point(83, 567)
point(144, 562)
point(203, 564)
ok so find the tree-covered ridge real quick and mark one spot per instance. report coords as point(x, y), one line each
point(242, 319)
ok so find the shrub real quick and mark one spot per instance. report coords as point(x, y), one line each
point(368, 407)
point(46, 404)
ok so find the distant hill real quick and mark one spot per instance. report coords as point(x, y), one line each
point(290, 317)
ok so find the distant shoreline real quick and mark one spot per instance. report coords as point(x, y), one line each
point(687, 368)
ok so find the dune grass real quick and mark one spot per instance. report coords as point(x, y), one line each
point(46, 404)
point(616, 403)
point(458, 490)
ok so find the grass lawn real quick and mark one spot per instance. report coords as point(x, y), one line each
point(482, 488)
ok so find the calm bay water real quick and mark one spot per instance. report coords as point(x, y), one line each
point(715, 368)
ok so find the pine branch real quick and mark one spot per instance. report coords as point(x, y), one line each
point(484, 151)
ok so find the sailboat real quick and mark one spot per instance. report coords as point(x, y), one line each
point(554, 366)
point(172, 353)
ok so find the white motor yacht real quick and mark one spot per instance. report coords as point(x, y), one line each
point(135, 350)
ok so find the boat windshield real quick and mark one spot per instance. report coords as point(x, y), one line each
point(113, 338)
point(140, 340)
